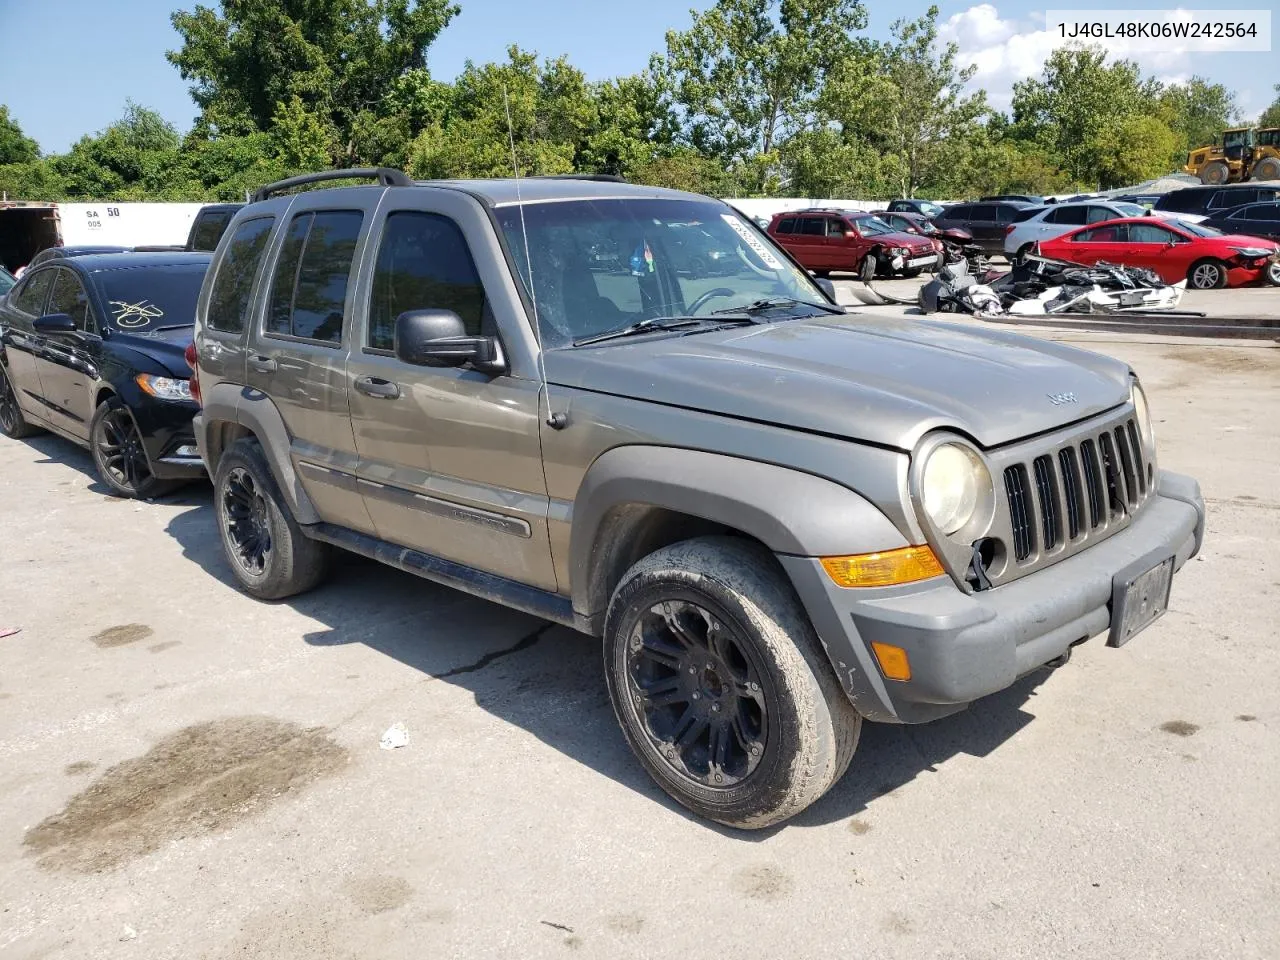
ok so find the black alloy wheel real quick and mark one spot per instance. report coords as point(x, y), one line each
point(695, 689)
point(246, 522)
point(118, 450)
point(10, 415)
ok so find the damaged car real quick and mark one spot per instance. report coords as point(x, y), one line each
point(824, 240)
point(1207, 259)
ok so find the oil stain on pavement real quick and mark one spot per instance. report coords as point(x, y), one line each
point(121, 635)
point(202, 779)
point(1179, 728)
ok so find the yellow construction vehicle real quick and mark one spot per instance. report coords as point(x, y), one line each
point(1245, 153)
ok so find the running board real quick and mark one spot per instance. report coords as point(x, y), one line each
point(478, 583)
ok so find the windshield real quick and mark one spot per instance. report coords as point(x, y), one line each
point(1198, 229)
point(147, 298)
point(602, 264)
point(1130, 209)
point(872, 226)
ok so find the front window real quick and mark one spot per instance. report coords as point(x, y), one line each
point(148, 298)
point(1237, 138)
point(1198, 229)
point(659, 273)
point(872, 226)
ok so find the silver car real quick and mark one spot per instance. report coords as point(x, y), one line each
point(1054, 221)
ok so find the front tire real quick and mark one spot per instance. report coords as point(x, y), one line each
point(12, 423)
point(1207, 275)
point(1273, 273)
point(268, 552)
point(118, 454)
point(1214, 173)
point(721, 686)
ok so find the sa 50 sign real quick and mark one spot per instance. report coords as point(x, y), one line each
point(95, 221)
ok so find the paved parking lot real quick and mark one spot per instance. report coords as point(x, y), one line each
point(185, 772)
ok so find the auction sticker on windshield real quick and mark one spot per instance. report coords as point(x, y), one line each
point(742, 230)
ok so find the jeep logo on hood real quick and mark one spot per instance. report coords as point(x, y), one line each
point(1058, 399)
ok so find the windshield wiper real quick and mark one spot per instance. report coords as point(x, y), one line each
point(175, 326)
point(650, 324)
point(772, 303)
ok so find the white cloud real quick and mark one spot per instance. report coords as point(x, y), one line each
point(1007, 50)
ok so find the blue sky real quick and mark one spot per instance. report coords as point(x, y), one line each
point(60, 83)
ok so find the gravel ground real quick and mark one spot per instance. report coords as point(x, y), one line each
point(185, 772)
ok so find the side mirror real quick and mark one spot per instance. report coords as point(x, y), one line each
point(438, 338)
point(827, 287)
point(54, 323)
point(850, 235)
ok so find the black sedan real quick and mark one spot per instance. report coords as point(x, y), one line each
point(1252, 220)
point(91, 348)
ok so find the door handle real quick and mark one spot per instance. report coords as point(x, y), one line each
point(263, 364)
point(377, 387)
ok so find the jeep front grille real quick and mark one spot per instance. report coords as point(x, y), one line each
point(1064, 492)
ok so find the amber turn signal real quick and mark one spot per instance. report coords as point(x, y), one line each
point(893, 660)
point(905, 565)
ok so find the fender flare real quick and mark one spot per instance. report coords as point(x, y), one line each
point(790, 512)
point(253, 410)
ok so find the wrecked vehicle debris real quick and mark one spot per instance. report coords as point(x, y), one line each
point(1038, 285)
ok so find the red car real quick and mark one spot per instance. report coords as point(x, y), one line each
point(827, 240)
point(1175, 249)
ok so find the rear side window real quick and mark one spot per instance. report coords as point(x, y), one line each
point(813, 226)
point(209, 229)
point(1180, 201)
point(30, 297)
point(423, 263)
point(1263, 212)
point(960, 212)
point(309, 291)
point(1226, 199)
point(70, 298)
point(983, 211)
point(229, 299)
point(1116, 234)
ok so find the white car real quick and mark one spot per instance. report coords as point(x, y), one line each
point(1055, 220)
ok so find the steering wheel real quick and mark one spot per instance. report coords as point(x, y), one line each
point(710, 295)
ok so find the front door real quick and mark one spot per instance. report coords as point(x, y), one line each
point(22, 345)
point(450, 461)
point(69, 362)
point(298, 356)
point(1157, 248)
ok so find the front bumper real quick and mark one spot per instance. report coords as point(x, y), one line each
point(169, 439)
point(965, 646)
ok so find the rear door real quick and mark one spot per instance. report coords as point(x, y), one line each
point(1106, 243)
point(450, 457)
point(69, 364)
point(297, 355)
point(22, 345)
point(983, 226)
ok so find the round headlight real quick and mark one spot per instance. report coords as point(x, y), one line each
point(954, 483)
point(1143, 415)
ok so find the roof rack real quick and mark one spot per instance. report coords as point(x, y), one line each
point(599, 177)
point(384, 175)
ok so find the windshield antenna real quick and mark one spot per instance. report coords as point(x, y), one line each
point(557, 421)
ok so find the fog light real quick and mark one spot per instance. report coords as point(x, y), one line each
point(905, 565)
point(893, 661)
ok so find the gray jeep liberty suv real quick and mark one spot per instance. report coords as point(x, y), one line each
point(780, 518)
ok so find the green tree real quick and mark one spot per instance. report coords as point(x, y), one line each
point(1132, 149)
point(1077, 97)
point(15, 146)
point(746, 76)
point(551, 113)
point(633, 127)
point(1197, 112)
point(906, 100)
point(135, 158)
point(1271, 116)
point(341, 59)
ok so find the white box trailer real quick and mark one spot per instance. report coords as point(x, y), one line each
point(28, 228)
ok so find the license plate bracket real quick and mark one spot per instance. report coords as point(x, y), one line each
point(1139, 597)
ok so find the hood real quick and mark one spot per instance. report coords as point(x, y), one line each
point(881, 380)
point(1242, 240)
point(165, 347)
point(912, 241)
point(959, 234)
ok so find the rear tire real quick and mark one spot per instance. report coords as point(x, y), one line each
point(1215, 172)
point(12, 423)
point(1207, 275)
point(268, 552)
point(721, 686)
point(1267, 169)
point(1024, 251)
